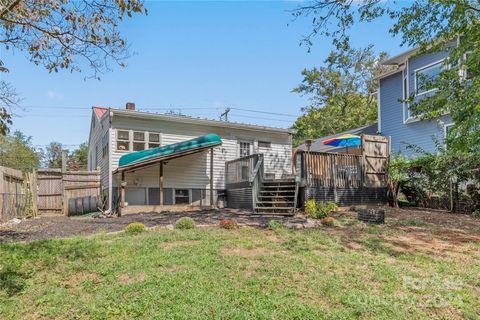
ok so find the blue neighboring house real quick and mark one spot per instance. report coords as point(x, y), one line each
point(394, 116)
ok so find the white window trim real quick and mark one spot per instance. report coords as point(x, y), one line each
point(131, 139)
point(445, 127)
point(423, 68)
point(239, 141)
point(174, 200)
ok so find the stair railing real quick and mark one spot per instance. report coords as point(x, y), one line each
point(256, 180)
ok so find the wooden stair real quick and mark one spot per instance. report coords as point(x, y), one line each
point(276, 197)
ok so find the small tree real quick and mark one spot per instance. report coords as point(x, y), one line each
point(397, 175)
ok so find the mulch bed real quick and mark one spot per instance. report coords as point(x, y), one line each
point(49, 227)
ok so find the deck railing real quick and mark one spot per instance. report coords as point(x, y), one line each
point(240, 170)
point(321, 169)
point(256, 180)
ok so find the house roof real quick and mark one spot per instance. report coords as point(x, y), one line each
point(99, 111)
point(317, 144)
point(193, 120)
point(401, 58)
point(171, 151)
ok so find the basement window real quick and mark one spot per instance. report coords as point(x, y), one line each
point(182, 196)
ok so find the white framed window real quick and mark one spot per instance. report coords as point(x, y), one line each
point(244, 149)
point(264, 144)
point(425, 75)
point(123, 140)
point(182, 196)
point(153, 140)
point(138, 141)
point(446, 129)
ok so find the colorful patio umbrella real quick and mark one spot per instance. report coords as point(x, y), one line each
point(345, 140)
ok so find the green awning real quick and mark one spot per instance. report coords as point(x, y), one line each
point(175, 150)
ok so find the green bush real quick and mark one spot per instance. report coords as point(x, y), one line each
point(134, 228)
point(276, 224)
point(185, 223)
point(325, 209)
point(311, 208)
point(319, 210)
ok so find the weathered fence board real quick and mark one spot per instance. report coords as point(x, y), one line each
point(50, 190)
point(69, 192)
point(81, 192)
point(12, 194)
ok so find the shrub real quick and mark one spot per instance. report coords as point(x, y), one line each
point(276, 224)
point(328, 221)
point(319, 210)
point(325, 209)
point(185, 223)
point(476, 214)
point(228, 224)
point(311, 208)
point(134, 228)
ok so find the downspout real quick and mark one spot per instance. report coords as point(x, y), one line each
point(110, 177)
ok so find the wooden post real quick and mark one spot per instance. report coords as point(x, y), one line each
point(122, 194)
point(161, 183)
point(211, 178)
point(335, 171)
point(64, 160)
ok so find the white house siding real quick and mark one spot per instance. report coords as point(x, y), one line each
point(101, 127)
point(193, 171)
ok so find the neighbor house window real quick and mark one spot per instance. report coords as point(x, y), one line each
point(123, 140)
point(153, 140)
point(138, 141)
point(182, 196)
point(424, 77)
point(244, 149)
point(448, 128)
point(264, 144)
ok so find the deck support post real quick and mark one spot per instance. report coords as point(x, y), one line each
point(122, 194)
point(161, 183)
point(211, 178)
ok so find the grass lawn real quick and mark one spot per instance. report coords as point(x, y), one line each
point(402, 270)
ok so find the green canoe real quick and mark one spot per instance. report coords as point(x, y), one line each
point(171, 150)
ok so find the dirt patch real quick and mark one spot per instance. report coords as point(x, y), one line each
point(437, 218)
point(77, 279)
point(182, 243)
point(247, 253)
point(128, 278)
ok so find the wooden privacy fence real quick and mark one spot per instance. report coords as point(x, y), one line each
point(346, 178)
point(13, 197)
point(68, 192)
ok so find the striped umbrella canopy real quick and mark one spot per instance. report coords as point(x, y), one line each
point(345, 140)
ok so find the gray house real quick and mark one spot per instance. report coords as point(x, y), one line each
point(394, 116)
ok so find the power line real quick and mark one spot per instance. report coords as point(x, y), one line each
point(267, 112)
point(166, 108)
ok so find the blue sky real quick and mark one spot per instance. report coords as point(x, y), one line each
point(196, 56)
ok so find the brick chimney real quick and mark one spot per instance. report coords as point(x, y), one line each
point(130, 106)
